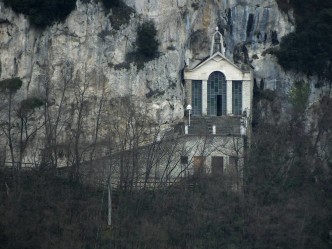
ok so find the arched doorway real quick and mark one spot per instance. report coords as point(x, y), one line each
point(216, 94)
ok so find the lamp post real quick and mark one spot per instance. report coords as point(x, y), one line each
point(189, 108)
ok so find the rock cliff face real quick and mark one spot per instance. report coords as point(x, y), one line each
point(87, 46)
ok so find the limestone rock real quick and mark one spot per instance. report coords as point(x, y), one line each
point(86, 46)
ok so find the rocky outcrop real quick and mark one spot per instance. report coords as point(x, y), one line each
point(94, 49)
point(88, 51)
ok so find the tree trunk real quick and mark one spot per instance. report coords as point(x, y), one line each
point(10, 140)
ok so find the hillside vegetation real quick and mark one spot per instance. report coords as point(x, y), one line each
point(42, 13)
point(308, 49)
point(285, 202)
point(40, 211)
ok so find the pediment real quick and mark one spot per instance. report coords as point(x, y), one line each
point(217, 57)
point(216, 62)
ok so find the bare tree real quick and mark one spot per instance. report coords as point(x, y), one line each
point(56, 96)
point(8, 88)
point(130, 130)
point(27, 132)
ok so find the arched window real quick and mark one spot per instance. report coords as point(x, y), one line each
point(216, 94)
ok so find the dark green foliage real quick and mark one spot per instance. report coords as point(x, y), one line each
point(286, 179)
point(43, 13)
point(271, 50)
point(309, 8)
point(41, 211)
point(204, 217)
point(278, 211)
point(147, 43)
point(10, 85)
point(325, 115)
point(299, 96)
point(195, 6)
point(29, 105)
point(308, 49)
point(284, 5)
point(120, 15)
point(108, 4)
point(123, 65)
point(137, 58)
point(120, 12)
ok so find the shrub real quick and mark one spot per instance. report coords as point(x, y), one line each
point(42, 13)
point(120, 11)
point(299, 96)
point(112, 3)
point(255, 57)
point(284, 5)
point(195, 6)
point(147, 43)
point(308, 49)
point(29, 105)
point(120, 15)
point(271, 50)
point(124, 65)
point(137, 58)
point(11, 85)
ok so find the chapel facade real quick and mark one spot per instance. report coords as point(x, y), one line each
point(219, 95)
point(218, 87)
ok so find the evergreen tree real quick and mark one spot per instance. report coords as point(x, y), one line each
point(146, 40)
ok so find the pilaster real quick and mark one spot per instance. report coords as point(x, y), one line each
point(229, 97)
point(204, 97)
point(246, 96)
point(188, 92)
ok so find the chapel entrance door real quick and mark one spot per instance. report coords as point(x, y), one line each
point(216, 94)
point(219, 105)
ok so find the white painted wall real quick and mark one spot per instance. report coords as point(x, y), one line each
point(208, 147)
point(219, 63)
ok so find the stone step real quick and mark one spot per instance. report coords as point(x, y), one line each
point(225, 125)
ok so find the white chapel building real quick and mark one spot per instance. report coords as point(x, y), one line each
point(219, 96)
point(218, 87)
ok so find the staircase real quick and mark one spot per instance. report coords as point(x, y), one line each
point(225, 125)
point(198, 126)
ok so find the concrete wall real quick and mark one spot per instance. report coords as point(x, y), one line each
point(164, 164)
point(210, 146)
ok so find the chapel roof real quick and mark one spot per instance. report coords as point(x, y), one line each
point(217, 53)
